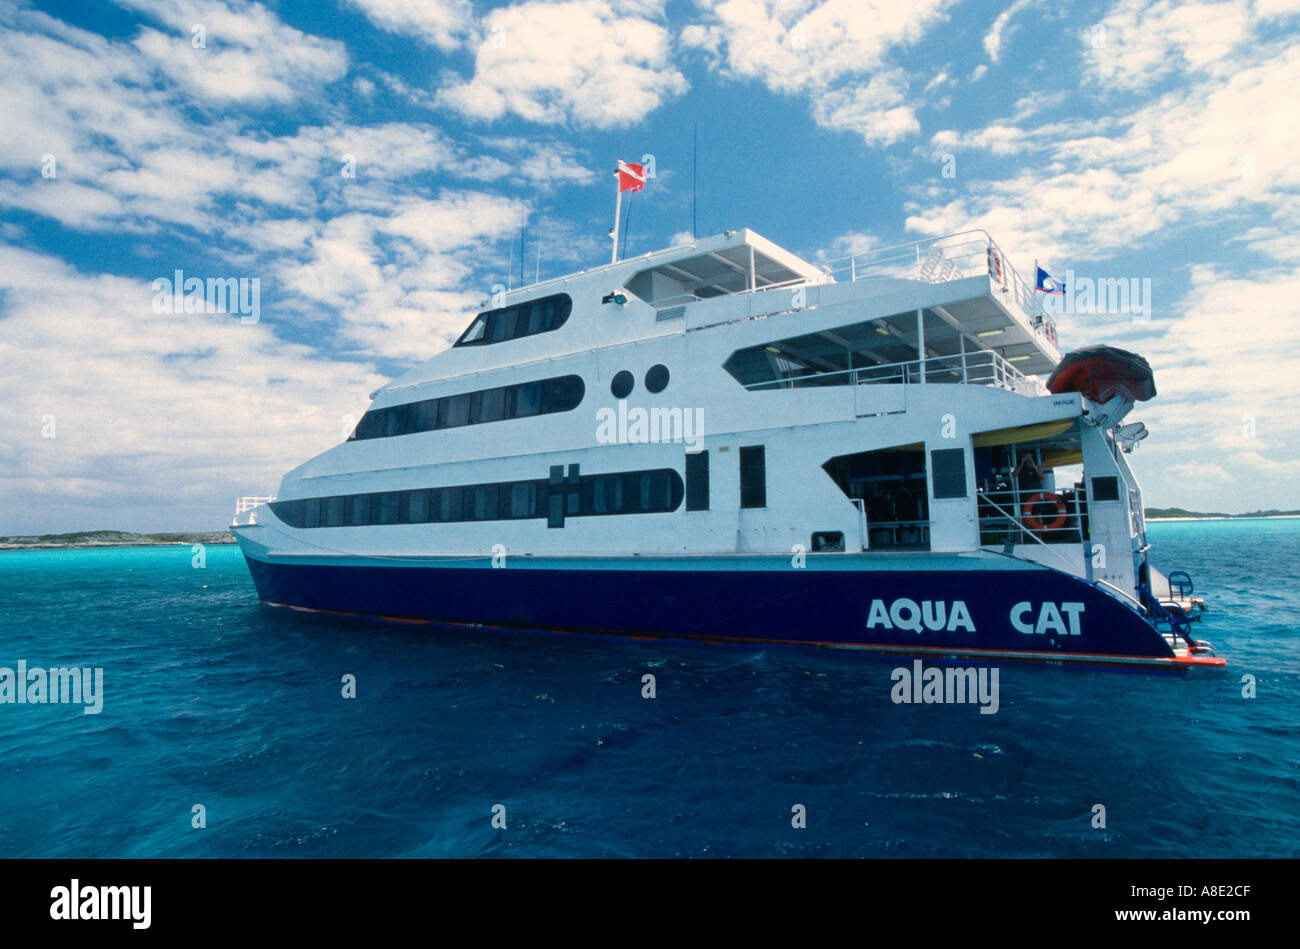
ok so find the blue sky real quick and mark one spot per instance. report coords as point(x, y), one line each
point(1115, 139)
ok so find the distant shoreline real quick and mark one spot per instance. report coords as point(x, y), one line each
point(1227, 517)
point(93, 539)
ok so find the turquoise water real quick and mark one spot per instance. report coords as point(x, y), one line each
point(212, 699)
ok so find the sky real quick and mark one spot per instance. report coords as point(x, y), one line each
point(377, 165)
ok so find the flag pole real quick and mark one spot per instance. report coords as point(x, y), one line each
point(618, 206)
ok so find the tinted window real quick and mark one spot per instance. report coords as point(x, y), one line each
point(564, 495)
point(457, 410)
point(523, 499)
point(485, 502)
point(948, 472)
point(753, 476)
point(1105, 488)
point(697, 481)
point(492, 406)
point(524, 319)
point(656, 378)
point(608, 494)
point(561, 394)
point(621, 384)
point(528, 399)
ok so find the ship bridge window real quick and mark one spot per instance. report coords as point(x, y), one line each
point(515, 322)
point(561, 394)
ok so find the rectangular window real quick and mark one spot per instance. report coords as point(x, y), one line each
point(456, 408)
point(485, 502)
point(753, 476)
point(491, 406)
point(948, 472)
point(502, 326)
point(607, 494)
point(396, 421)
point(334, 508)
point(388, 505)
point(449, 508)
point(417, 507)
point(359, 515)
point(528, 399)
point(523, 499)
point(697, 481)
point(311, 513)
point(426, 415)
point(1105, 489)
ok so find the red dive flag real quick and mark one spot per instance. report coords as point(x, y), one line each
point(631, 176)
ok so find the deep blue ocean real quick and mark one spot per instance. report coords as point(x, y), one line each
point(213, 699)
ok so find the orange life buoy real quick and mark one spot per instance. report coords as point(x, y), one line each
point(1035, 523)
point(995, 265)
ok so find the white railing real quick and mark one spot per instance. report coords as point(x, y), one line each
point(246, 508)
point(940, 259)
point(680, 299)
point(982, 368)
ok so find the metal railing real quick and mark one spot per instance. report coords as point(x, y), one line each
point(246, 507)
point(951, 257)
point(982, 368)
point(681, 299)
point(1002, 520)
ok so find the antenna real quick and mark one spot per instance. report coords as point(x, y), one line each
point(510, 268)
point(695, 154)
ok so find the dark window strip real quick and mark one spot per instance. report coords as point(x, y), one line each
point(652, 491)
point(521, 400)
point(514, 322)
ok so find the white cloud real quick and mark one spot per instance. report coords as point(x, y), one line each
point(579, 61)
point(151, 411)
point(441, 23)
point(1218, 147)
point(1001, 31)
point(801, 46)
point(249, 55)
point(835, 52)
point(876, 111)
point(1145, 42)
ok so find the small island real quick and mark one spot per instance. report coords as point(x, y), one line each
point(1182, 514)
point(113, 539)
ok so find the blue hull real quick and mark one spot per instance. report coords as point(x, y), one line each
point(971, 607)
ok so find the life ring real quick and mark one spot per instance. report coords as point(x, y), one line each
point(1035, 523)
point(995, 265)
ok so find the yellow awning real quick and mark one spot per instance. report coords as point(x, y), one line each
point(1021, 433)
point(1062, 457)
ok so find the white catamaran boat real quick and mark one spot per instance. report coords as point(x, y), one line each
point(722, 441)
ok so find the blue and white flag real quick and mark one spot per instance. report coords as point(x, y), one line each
point(1049, 284)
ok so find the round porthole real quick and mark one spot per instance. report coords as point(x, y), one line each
point(656, 379)
point(622, 384)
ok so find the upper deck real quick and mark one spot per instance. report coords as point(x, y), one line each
point(940, 299)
